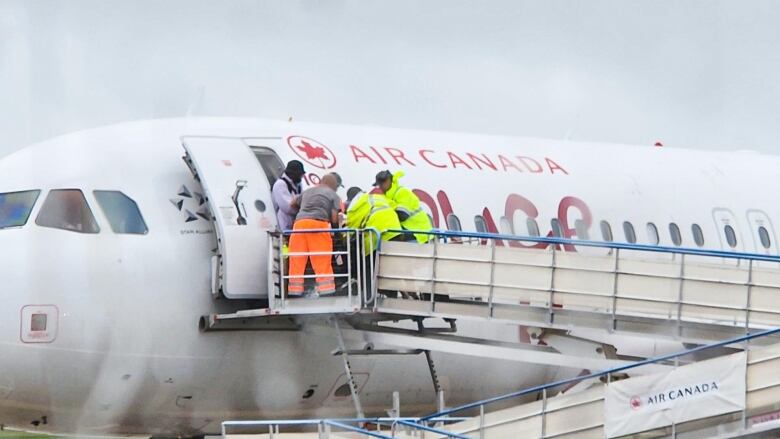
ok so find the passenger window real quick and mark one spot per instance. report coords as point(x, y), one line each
point(271, 163)
point(67, 209)
point(763, 234)
point(453, 223)
point(122, 212)
point(698, 235)
point(628, 230)
point(581, 229)
point(479, 224)
point(731, 236)
point(556, 227)
point(606, 231)
point(15, 208)
point(674, 232)
point(652, 234)
point(533, 228)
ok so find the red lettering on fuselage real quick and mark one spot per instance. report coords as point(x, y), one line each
point(358, 154)
point(536, 168)
point(563, 218)
point(398, 155)
point(424, 154)
point(428, 200)
point(484, 160)
point(378, 155)
point(457, 160)
point(553, 166)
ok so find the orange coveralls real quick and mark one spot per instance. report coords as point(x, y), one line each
point(320, 242)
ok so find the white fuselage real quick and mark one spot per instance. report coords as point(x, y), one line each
point(128, 357)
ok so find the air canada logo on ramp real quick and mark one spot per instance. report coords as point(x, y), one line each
point(312, 152)
point(635, 403)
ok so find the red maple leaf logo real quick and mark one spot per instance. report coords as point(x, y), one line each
point(312, 152)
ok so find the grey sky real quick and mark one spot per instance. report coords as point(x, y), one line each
point(690, 73)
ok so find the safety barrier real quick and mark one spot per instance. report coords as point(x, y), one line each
point(705, 294)
point(577, 415)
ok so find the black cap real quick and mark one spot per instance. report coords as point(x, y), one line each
point(352, 193)
point(382, 177)
point(294, 167)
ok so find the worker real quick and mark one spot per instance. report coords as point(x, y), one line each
point(406, 205)
point(372, 211)
point(319, 210)
point(286, 193)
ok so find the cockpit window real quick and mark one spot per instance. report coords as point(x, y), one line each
point(122, 212)
point(15, 208)
point(67, 209)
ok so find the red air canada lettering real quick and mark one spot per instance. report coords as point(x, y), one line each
point(470, 160)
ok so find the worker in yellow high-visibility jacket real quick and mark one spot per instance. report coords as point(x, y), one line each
point(371, 211)
point(406, 204)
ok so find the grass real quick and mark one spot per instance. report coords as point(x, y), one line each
point(10, 434)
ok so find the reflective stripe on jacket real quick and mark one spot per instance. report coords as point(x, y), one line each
point(405, 201)
point(373, 211)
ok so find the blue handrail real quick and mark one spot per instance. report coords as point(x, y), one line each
point(576, 379)
point(356, 429)
point(431, 429)
point(601, 244)
point(372, 230)
point(443, 416)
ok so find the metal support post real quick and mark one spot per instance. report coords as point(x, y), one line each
point(433, 275)
point(613, 326)
point(350, 378)
point(550, 310)
point(492, 277)
point(481, 421)
point(680, 298)
point(544, 413)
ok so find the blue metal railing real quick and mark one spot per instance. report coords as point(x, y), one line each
point(423, 423)
point(577, 379)
point(349, 424)
point(598, 244)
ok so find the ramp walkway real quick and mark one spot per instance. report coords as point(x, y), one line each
point(687, 294)
point(580, 415)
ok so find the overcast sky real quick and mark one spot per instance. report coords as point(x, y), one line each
point(698, 74)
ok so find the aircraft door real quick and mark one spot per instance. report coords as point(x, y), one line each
point(763, 233)
point(728, 230)
point(238, 194)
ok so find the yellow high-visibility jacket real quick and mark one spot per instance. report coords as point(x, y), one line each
point(405, 201)
point(373, 211)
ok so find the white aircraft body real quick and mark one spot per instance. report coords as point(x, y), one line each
point(99, 318)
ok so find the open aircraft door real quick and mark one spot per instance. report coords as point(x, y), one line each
point(238, 194)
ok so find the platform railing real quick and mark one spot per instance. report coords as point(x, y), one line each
point(692, 269)
point(555, 242)
point(357, 280)
point(546, 388)
point(384, 427)
point(437, 422)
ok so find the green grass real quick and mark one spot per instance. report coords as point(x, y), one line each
point(9, 434)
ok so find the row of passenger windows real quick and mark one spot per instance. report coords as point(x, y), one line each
point(67, 209)
point(653, 235)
